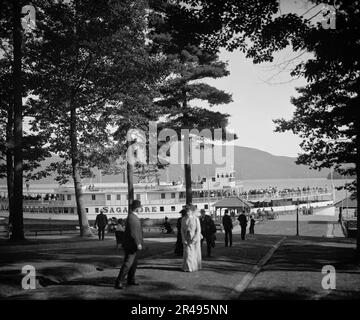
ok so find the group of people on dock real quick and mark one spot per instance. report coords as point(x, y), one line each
point(243, 221)
point(206, 231)
point(192, 231)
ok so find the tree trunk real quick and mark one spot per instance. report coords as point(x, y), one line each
point(10, 162)
point(187, 165)
point(17, 216)
point(83, 219)
point(187, 171)
point(188, 186)
point(357, 128)
point(130, 181)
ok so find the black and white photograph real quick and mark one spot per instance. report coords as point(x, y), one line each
point(179, 155)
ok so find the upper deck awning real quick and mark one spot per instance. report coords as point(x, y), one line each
point(233, 203)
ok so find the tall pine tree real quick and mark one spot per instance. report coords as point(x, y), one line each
point(90, 57)
point(177, 32)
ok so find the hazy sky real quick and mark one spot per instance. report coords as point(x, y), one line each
point(262, 93)
point(259, 96)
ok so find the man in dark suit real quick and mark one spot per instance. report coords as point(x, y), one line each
point(243, 223)
point(228, 226)
point(132, 243)
point(208, 230)
point(101, 222)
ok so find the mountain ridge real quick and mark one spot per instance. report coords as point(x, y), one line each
point(250, 164)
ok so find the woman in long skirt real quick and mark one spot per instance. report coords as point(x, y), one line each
point(191, 236)
point(179, 243)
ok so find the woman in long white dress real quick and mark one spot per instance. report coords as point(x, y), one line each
point(191, 235)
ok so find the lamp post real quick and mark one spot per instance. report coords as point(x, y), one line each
point(297, 218)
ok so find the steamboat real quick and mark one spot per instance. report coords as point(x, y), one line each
point(162, 199)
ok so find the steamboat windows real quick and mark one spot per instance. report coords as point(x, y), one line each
point(213, 179)
point(173, 195)
point(93, 197)
point(161, 209)
point(69, 197)
point(206, 206)
point(72, 210)
point(61, 210)
point(66, 210)
point(118, 197)
point(108, 197)
point(173, 208)
point(163, 196)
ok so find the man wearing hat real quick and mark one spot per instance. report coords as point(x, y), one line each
point(101, 222)
point(228, 226)
point(132, 243)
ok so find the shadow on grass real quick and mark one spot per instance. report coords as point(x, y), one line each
point(297, 255)
point(79, 290)
point(280, 293)
point(276, 293)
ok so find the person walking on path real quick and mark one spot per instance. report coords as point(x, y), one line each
point(101, 222)
point(208, 230)
point(243, 223)
point(228, 226)
point(252, 225)
point(132, 243)
point(179, 243)
point(191, 236)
